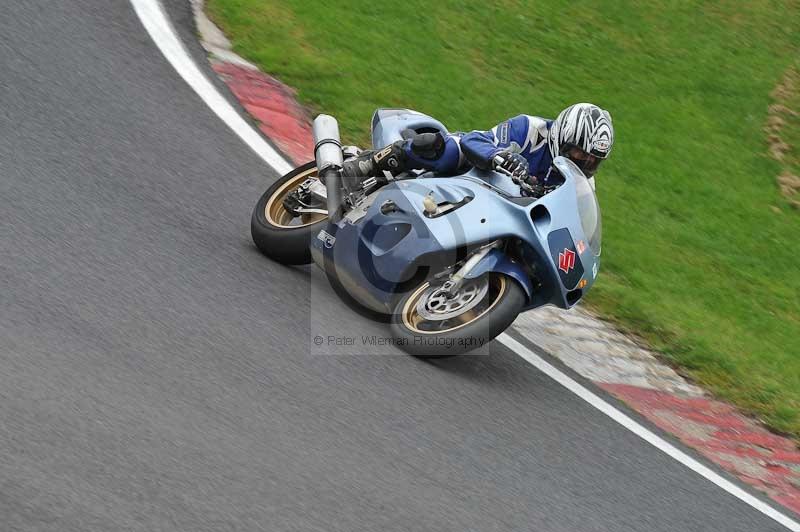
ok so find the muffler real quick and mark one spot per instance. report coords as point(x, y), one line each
point(328, 155)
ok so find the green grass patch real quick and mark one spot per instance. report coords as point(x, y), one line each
point(700, 246)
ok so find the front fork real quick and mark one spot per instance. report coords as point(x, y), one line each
point(453, 285)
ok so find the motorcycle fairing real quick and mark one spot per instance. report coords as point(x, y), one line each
point(378, 256)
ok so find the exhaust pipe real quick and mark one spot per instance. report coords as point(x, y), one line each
point(328, 154)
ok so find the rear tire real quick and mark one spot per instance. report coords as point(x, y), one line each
point(276, 233)
point(496, 311)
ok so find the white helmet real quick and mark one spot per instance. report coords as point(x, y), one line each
point(586, 127)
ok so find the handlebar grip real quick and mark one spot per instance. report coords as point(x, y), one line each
point(498, 161)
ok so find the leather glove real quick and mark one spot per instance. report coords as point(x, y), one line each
point(512, 163)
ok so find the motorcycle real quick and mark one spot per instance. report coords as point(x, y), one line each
point(449, 262)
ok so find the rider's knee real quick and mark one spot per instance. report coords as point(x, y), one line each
point(429, 146)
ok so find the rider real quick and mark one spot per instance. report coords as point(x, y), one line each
point(524, 145)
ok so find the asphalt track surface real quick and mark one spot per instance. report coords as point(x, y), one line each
point(156, 372)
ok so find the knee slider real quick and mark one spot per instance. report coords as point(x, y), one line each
point(428, 145)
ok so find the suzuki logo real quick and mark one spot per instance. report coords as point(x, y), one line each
point(566, 260)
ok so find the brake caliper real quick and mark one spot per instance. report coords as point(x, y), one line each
point(298, 198)
point(292, 203)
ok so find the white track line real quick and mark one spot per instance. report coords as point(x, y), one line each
point(647, 435)
point(157, 24)
point(160, 29)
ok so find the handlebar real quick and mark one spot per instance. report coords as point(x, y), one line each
point(517, 181)
point(497, 168)
point(537, 191)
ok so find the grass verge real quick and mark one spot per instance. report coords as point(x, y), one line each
point(700, 246)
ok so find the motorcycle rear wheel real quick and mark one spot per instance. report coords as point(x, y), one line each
point(279, 234)
point(461, 332)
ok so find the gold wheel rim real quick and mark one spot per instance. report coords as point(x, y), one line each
point(277, 215)
point(412, 319)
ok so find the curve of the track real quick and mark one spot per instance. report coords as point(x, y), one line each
point(155, 371)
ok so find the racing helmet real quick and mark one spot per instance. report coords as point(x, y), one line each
point(583, 132)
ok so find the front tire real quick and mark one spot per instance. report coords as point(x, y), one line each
point(276, 232)
point(423, 333)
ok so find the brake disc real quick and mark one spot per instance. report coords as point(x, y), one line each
point(436, 304)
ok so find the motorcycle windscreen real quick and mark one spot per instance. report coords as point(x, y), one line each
point(588, 207)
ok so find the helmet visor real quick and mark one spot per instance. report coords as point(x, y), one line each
point(587, 162)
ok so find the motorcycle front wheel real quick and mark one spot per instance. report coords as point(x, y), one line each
point(429, 323)
point(279, 234)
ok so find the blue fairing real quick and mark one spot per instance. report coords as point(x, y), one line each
point(378, 255)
